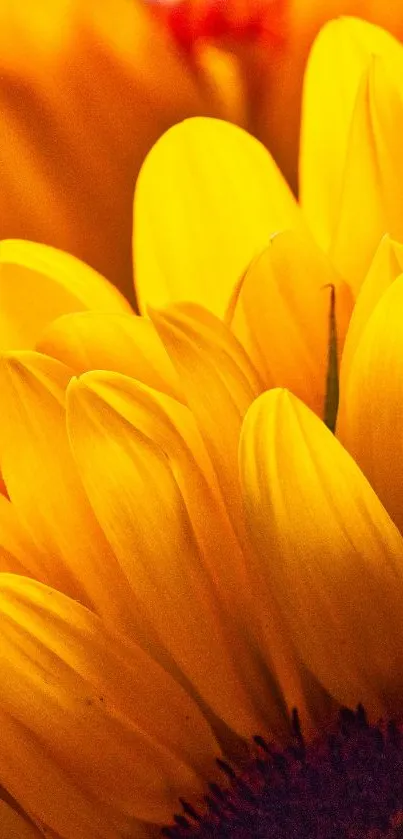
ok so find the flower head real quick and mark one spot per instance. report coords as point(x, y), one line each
point(193, 566)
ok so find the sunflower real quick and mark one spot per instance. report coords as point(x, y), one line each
point(198, 577)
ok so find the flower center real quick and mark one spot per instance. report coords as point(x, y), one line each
point(240, 20)
point(347, 784)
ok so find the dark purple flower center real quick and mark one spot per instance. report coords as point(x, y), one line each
point(347, 784)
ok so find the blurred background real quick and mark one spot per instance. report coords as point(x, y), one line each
point(87, 86)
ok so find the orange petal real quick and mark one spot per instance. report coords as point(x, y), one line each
point(386, 266)
point(33, 391)
point(370, 425)
point(88, 746)
point(38, 284)
point(371, 188)
point(131, 486)
point(347, 44)
point(219, 383)
point(207, 199)
point(171, 427)
point(71, 551)
point(18, 553)
point(281, 316)
point(124, 343)
point(327, 553)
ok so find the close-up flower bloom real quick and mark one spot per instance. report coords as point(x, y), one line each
point(201, 533)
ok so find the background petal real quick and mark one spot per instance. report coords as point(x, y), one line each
point(14, 826)
point(85, 90)
point(39, 283)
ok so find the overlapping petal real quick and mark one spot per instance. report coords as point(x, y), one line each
point(124, 343)
point(326, 552)
point(373, 170)
point(39, 283)
point(371, 421)
point(171, 426)
point(130, 483)
point(347, 44)
point(281, 316)
point(219, 383)
point(247, 597)
point(207, 200)
point(33, 390)
point(82, 719)
point(18, 552)
point(70, 549)
point(386, 266)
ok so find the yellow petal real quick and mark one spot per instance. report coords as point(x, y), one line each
point(347, 44)
point(18, 553)
point(281, 316)
point(124, 343)
point(326, 552)
point(71, 551)
point(38, 283)
point(172, 428)
point(103, 733)
point(371, 188)
point(131, 487)
point(33, 391)
point(219, 383)
point(371, 426)
point(386, 266)
point(207, 200)
point(85, 90)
